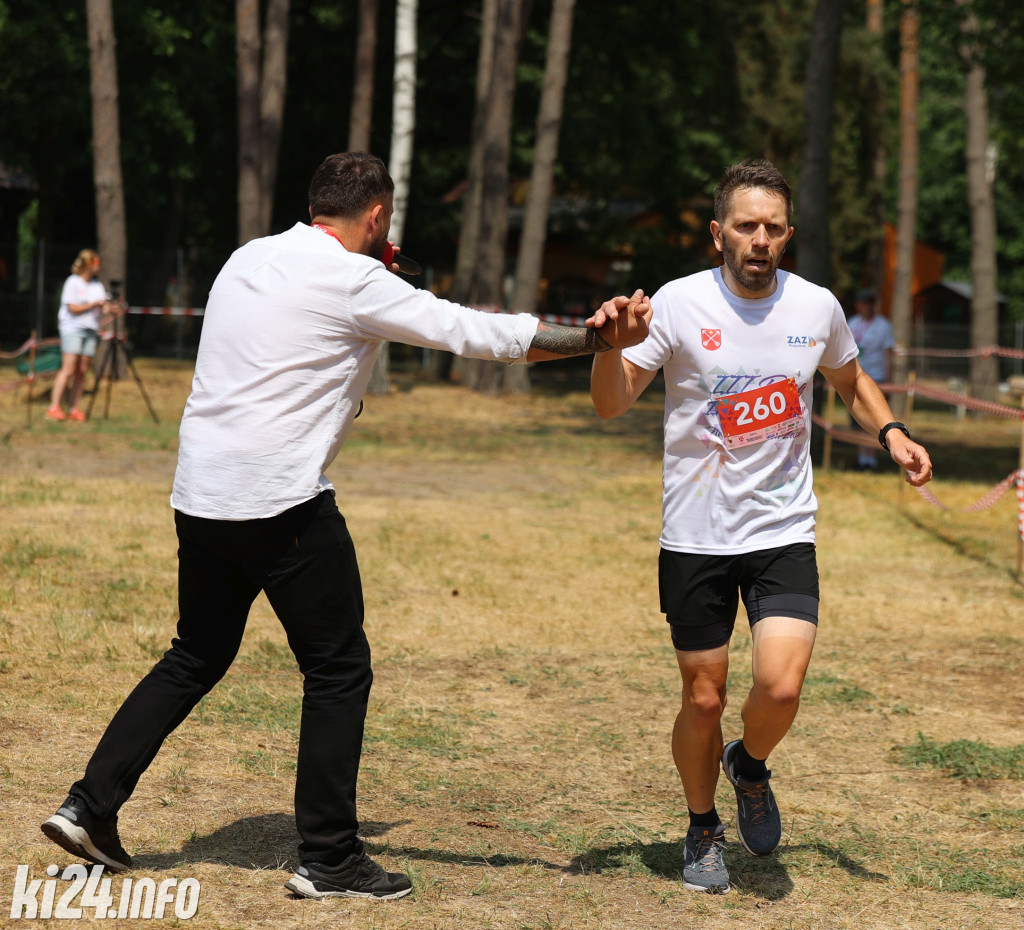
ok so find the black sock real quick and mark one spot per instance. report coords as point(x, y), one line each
point(747, 767)
point(701, 821)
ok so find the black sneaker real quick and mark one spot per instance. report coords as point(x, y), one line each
point(358, 876)
point(757, 817)
point(704, 868)
point(75, 828)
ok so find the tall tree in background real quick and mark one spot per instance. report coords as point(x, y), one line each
point(902, 299)
point(464, 281)
point(273, 84)
point(106, 140)
point(247, 50)
point(403, 112)
point(538, 201)
point(403, 126)
point(464, 278)
point(360, 122)
point(875, 271)
point(814, 259)
point(545, 151)
point(261, 94)
point(980, 172)
point(497, 141)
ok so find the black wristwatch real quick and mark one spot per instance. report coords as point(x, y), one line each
point(885, 429)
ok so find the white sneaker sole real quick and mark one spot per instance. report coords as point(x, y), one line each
point(715, 889)
point(306, 889)
point(75, 840)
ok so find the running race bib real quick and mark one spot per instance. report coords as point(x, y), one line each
point(768, 412)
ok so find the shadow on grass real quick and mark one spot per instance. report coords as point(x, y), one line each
point(765, 878)
point(269, 841)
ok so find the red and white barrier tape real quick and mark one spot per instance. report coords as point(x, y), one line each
point(28, 344)
point(983, 351)
point(989, 498)
point(955, 400)
point(167, 311)
point(845, 435)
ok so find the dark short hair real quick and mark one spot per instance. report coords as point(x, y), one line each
point(758, 173)
point(347, 184)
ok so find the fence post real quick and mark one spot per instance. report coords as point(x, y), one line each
point(31, 377)
point(1020, 501)
point(830, 406)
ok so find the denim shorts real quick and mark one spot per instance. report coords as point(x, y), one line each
point(80, 342)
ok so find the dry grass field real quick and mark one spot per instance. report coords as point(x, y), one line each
point(517, 758)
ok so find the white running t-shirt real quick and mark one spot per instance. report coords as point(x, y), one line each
point(738, 380)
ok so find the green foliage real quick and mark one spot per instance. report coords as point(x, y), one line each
point(965, 759)
point(656, 106)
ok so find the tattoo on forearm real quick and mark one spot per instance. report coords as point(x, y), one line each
point(569, 340)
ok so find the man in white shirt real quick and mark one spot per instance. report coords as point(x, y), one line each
point(873, 335)
point(739, 346)
point(291, 330)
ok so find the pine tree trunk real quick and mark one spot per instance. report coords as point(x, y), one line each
point(814, 259)
point(273, 83)
point(247, 48)
point(112, 241)
point(875, 273)
point(490, 283)
point(360, 123)
point(902, 298)
point(985, 302)
point(538, 202)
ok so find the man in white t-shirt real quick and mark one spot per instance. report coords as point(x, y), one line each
point(739, 346)
point(873, 335)
point(291, 330)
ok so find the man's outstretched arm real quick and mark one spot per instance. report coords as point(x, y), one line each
point(618, 323)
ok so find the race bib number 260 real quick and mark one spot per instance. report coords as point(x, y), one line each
point(768, 412)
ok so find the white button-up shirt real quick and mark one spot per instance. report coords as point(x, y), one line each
point(290, 334)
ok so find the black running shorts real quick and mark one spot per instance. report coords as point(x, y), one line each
point(700, 593)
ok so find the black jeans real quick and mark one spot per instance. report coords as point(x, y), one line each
point(305, 561)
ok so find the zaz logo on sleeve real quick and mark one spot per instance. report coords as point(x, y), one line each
point(711, 339)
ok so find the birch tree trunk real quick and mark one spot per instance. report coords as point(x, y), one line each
point(538, 201)
point(106, 140)
point(980, 171)
point(247, 50)
point(403, 125)
point(273, 83)
point(360, 122)
point(814, 258)
point(902, 306)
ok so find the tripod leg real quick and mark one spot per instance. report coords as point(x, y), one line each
point(138, 381)
point(104, 365)
point(111, 378)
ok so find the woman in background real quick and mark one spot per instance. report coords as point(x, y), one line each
point(82, 301)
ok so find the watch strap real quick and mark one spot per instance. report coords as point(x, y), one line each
point(885, 430)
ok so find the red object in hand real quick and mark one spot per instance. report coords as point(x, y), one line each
point(406, 265)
